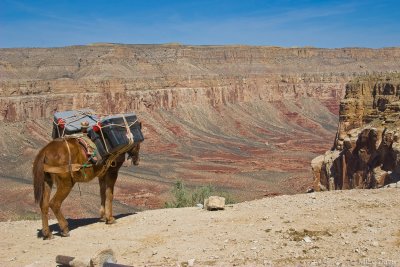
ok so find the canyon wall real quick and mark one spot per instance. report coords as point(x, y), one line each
point(115, 78)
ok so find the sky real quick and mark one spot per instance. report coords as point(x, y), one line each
point(326, 24)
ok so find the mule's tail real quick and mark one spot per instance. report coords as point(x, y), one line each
point(38, 176)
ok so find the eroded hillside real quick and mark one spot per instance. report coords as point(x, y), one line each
point(246, 119)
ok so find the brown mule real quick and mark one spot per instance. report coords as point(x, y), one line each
point(67, 154)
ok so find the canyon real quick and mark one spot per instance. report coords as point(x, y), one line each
point(245, 119)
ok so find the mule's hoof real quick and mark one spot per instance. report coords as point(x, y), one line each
point(111, 220)
point(48, 236)
point(65, 233)
point(103, 219)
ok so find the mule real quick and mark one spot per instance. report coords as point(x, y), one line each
point(63, 162)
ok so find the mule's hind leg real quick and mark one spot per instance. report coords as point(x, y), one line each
point(44, 207)
point(64, 187)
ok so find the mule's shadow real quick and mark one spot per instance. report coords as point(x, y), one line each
point(76, 223)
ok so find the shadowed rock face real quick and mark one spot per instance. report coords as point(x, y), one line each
point(246, 119)
point(366, 149)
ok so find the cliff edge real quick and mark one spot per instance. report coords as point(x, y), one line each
point(366, 150)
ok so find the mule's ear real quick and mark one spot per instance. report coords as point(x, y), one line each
point(140, 124)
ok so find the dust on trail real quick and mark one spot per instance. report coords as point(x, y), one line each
point(347, 228)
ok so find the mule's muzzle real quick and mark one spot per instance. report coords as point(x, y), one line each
point(135, 161)
point(134, 154)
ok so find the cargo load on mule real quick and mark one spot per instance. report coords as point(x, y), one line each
point(101, 136)
point(113, 133)
point(70, 122)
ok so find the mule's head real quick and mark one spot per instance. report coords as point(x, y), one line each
point(133, 154)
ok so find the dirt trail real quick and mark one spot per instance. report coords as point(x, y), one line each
point(343, 228)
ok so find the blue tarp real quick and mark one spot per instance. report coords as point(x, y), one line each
point(73, 119)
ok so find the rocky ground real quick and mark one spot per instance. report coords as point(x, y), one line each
point(341, 228)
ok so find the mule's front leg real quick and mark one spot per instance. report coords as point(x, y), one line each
point(102, 183)
point(107, 195)
point(111, 178)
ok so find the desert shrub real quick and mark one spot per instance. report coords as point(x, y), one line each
point(27, 216)
point(181, 195)
point(184, 197)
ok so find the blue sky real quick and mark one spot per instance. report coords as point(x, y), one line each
point(330, 24)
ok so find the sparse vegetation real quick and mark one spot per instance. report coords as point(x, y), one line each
point(184, 197)
point(27, 216)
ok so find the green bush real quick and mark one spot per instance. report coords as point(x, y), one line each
point(27, 216)
point(184, 197)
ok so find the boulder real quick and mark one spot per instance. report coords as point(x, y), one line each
point(214, 203)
